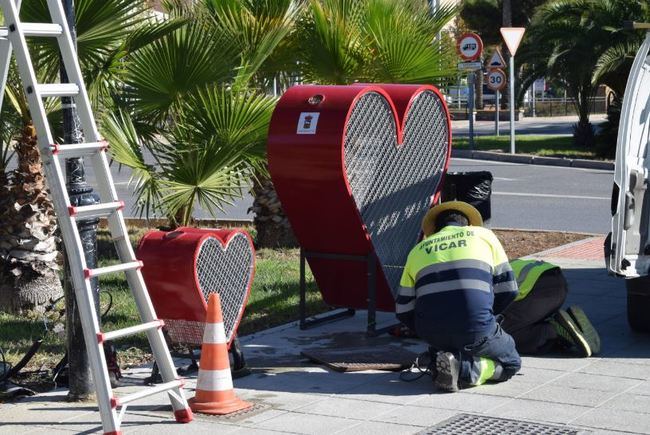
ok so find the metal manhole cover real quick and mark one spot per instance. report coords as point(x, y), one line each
point(257, 408)
point(480, 425)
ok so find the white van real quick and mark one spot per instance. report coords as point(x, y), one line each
point(628, 253)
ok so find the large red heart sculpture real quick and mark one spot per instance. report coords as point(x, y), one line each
point(356, 168)
point(183, 267)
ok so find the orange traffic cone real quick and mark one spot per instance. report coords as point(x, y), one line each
point(214, 389)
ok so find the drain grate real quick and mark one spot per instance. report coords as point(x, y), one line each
point(237, 416)
point(463, 424)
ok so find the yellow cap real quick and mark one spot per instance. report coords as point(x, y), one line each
point(429, 221)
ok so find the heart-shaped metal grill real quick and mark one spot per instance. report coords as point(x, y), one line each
point(227, 271)
point(392, 184)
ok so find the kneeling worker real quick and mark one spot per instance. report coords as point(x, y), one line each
point(535, 319)
point(454, 282)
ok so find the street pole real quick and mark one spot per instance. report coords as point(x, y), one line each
point(470, 109)
point(534, 114)
point(79, 378)
point(496, 117)
point(512, 104)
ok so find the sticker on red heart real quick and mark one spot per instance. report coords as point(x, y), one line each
point(183, 267)
point(361, 182)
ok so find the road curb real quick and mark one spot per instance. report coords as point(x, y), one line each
point(533, 160)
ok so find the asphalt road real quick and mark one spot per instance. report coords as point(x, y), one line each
point(558, 125)
point(523, 196)
point(546, 197)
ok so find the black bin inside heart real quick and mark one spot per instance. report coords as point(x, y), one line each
point(472, 187)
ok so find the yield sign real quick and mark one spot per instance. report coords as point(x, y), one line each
point(512, 36)
point(496, 60)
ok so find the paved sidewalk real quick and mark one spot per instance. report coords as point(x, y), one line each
point(609, 393)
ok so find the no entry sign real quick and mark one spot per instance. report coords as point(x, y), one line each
point(470, 46)
point(496, 79)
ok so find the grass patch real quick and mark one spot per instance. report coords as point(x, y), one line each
point(540, 145)
point(273, 301)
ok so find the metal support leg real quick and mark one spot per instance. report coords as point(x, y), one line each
point(303, 292)
point(304, 323)
point(239, 368)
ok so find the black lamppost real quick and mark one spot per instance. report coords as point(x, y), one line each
point(79, 378)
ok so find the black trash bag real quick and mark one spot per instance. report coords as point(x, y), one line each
point(474, 188)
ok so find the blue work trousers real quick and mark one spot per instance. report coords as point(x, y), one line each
point(494, 343)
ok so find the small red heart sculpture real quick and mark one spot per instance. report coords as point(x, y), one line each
point(183, 267)
point(356, 168)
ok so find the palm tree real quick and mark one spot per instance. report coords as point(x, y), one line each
point(193, 124)
point(566, 41)
point(107, 31)
point(347, 41)
point(385, 41)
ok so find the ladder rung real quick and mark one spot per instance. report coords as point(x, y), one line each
point(132, 265)
point(34, 29)
point(78, 150)
point(58, 90)
point(149, 391)
point(131, 330)
point(96, 210)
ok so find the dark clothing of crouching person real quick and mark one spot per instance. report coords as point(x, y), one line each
point(454, 283)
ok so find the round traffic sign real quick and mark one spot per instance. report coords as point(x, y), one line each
point(496, 79)
point(469, 46)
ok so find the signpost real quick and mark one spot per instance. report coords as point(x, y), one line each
point(470, 48)
point(512, 36)
point(497, 80)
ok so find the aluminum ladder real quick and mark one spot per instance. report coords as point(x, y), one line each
point(13, 38)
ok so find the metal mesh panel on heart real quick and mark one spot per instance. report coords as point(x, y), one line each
point(392, 184)
point(230, 279)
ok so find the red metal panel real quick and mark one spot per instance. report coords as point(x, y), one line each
point(171, 274)
point(309, 174)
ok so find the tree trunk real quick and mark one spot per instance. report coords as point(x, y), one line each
point(29, 277)
point(478, 90)
point(272, 225)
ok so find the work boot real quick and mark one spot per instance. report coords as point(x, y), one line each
point(569, 332)
point(588, 330)
point(448, 368)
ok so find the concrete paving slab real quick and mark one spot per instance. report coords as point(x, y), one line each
point(621, 367)
point(347, 408)
point(308, 423)
point(539, 411)
point(461, 401)
point(594, 382)
point(568, 395)
point(629, 401)
point(512, 388)
point(281, 401)
point(643, 389)
point(32, 429)
point(416, 415)
point(253, 431)
point(374, 428)
point(615, 420)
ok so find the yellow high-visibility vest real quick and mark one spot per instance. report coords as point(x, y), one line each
point(527, 272)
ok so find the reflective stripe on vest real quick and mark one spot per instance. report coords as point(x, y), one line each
point(527, 272)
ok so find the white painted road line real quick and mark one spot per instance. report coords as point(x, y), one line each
point(548, 195)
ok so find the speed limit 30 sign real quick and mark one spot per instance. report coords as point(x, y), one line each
point(496, 79)
point(470, 46)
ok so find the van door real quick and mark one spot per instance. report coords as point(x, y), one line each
point(630, 243)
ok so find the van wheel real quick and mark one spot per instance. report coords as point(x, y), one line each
point(638, 303)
